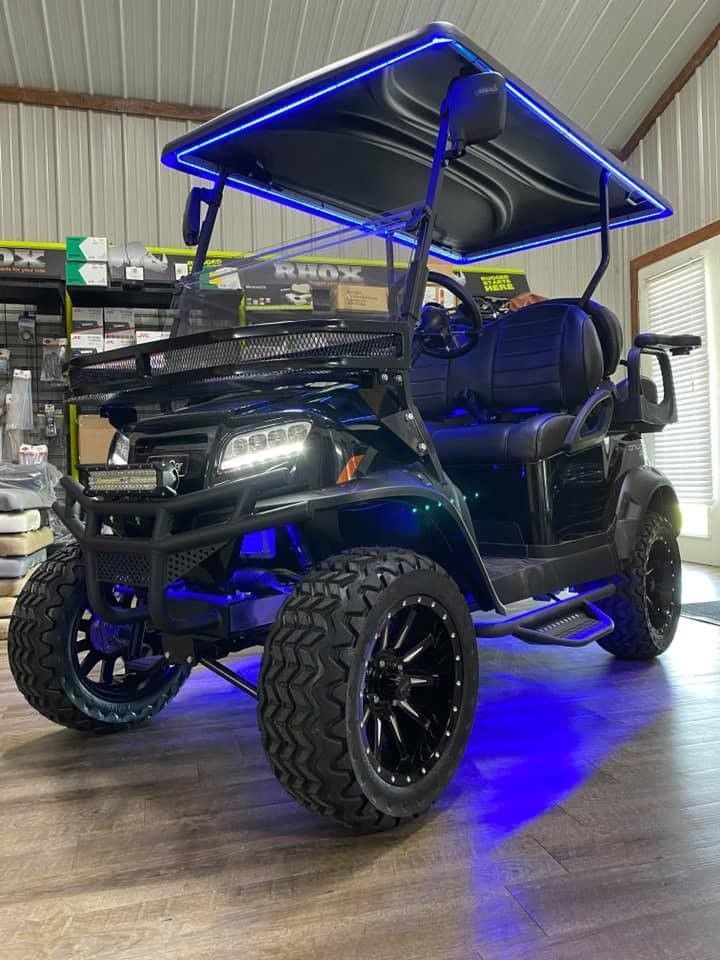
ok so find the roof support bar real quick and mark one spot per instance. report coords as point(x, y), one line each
point(604, 240)
point(424, 223)
point(214, 199)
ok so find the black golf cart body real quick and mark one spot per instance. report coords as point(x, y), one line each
point(515, 463)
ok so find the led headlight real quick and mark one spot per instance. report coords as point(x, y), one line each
point(119, 450)
point(264, 447)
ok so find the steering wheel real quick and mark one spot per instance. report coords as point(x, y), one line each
point(449, 332)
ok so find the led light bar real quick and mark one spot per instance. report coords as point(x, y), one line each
point(122, 480)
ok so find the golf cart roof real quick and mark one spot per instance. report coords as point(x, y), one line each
point(356, 139)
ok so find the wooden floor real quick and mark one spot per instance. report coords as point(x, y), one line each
point(584, 823)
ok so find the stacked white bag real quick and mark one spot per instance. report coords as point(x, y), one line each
point(24, 538)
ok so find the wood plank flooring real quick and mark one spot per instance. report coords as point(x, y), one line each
point(584, 824)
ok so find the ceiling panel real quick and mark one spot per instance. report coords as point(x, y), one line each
point(138, 20)
point(604, 62)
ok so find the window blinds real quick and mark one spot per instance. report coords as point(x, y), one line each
point(677, 303)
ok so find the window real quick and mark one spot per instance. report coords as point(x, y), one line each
point(677, 303)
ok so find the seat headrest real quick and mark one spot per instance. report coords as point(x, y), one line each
point(609, 331)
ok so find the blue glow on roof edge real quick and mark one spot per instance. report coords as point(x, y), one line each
point(179, 161)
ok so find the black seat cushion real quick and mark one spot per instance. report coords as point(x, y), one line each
point(525, 441)
point(543, 358)
point(608, 329)
point(530, 371)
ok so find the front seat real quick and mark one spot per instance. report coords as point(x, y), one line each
point(529, 374)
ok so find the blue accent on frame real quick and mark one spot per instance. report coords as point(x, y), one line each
point(180, 161)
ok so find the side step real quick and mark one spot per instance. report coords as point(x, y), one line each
point(574, 622)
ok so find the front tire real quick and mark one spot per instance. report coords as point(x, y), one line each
point(69, 665)
point(646, 603)
point(368, 687)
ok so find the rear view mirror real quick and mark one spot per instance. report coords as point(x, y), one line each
point(477, 109)
point(191, 216)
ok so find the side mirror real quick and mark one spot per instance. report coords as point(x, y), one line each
point(191, 216)
point(477, 110)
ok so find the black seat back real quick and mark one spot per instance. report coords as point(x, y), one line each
point(545, 357)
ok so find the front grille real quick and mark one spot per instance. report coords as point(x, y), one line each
point(133, 569)
point(128, 569)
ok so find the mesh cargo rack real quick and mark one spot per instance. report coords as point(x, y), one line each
point(288, 352)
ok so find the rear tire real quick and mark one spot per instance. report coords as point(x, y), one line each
point(646, 603)
point(365, 642)
point(47, 651)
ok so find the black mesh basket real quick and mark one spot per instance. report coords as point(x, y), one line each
point(268, 351)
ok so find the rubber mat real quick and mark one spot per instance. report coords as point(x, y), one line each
point(23, 544)
point(708, 612)
point(20, 521)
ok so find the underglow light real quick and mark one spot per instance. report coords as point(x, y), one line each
point(181, 160)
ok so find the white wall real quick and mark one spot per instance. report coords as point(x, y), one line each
point(70, 172)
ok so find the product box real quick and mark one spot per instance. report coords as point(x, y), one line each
point(86, 274)
point(87, 330)
point(149, 336)
point(85, 249)
point(361, 298)
point(119, 327)
point(94, 436)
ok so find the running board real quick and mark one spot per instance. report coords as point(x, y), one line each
point(574, 622)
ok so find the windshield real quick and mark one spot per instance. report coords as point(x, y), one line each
point(358, 271)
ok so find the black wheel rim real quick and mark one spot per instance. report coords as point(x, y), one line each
point(662, 584)
point(116, 663)
point(412, 691)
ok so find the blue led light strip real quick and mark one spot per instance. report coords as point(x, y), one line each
point(565, 131)
point(315, 95)
point(180, 161)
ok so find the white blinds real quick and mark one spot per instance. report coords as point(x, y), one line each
point(677, 303)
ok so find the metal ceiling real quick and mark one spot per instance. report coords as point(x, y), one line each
point(603, 62)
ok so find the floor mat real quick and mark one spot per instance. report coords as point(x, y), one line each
point(708, 612)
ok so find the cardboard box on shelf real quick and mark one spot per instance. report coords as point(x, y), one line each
point(83, 249)
point(94, 436)
point(360, 297)
point(119, 327)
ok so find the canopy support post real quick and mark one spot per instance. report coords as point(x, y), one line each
point(214, 199)
point(424, 221)
point(604, 240)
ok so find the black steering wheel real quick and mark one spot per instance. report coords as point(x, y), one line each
point(449, 332)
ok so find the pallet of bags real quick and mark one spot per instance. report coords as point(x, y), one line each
point(20, 552)
point(25, 494)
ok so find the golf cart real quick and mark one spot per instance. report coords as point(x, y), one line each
point(365, 494)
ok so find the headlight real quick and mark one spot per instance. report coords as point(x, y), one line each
point(244, 451)
point(119, 450)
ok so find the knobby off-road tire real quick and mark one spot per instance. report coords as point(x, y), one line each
point(646, 603)
point(43, 632)
point(356, 640)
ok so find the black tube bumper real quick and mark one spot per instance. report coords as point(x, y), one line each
point(154, 562)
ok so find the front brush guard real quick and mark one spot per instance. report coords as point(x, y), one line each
point(153, 563)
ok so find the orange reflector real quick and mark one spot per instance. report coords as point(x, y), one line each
point(350, 469)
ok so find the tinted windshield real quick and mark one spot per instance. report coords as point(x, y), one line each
point(357, 271)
